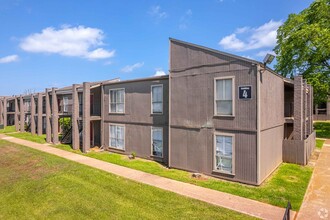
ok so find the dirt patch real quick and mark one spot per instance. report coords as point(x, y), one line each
point(314, 157)
point(7, 149)
point(17, 163)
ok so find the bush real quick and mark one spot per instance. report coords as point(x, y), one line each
point(65, 124)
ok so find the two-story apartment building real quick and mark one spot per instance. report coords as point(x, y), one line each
point(215, 113)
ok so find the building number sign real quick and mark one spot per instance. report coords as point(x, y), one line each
point(244, 92)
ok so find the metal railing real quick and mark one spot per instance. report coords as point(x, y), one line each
point(65, 109)
point(10, 109)
point(287, 212)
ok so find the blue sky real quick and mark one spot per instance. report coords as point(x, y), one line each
point(58, 43)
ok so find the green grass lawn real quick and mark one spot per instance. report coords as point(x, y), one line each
point(8, 129)
point(28, 136)
point(37, 185)
point(277, 190)
point(319, 144)
point(322, 129)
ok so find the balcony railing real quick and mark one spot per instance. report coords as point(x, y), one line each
point(27, 109)
point(65, 109)
point(10, 109)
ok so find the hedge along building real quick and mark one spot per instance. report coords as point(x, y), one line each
point(216, 113)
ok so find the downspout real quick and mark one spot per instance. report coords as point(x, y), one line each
point(258, 123)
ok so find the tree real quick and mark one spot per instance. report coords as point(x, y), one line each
point(303, 47)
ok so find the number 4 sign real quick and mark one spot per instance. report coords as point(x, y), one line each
point(244, 92)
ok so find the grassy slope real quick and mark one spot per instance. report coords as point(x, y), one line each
point(319, 144)
point(36, 185)
point(8, 129)
point(278, 190)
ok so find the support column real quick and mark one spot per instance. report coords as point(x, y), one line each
point(39, 130)
point(16, 114)
point(305, 115)
point(75, 118)
point(54, 117)
point(312, 104)
point(309, 110)
point(86, 117)
point(298, 108)
point(5, 112)
point(1, 111)
point(48, 126)
point(328, 108)
point(102, 118)
point(22, 114)
point(33, 112)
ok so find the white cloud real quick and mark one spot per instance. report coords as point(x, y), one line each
point(157, 13)
point(185, 19)
point(130, 68)
point(242, 30)
point(263, 36)
point(77, 41)
point(264, 52)
point(9, 59)
point(159, 72)
point(100, 53)
point(248, 57)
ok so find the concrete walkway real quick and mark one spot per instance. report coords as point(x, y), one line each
point(316, 204)
point(236, 203)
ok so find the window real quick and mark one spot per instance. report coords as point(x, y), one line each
point(224, 145)
point(65, 103)
point(224, 96)
point(157, 99)
point(117, 137)
point(117, 100)
point(157, 142)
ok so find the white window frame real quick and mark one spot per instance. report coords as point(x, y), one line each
point(124, 147)
point(116, 103)
point(215, 151)
point(215, 95)
point(153, 139)
point(152, 110)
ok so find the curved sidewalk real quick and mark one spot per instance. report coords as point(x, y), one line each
point(316, 204)
point(236, 203)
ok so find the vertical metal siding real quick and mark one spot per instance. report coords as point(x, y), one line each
point(272, 123)
point(192, 112)
point(137, 118)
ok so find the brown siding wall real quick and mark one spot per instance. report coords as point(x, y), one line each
point(272, 122)
point(298, 151)
point(192, 111)
point(138, 140)
point(137, 118)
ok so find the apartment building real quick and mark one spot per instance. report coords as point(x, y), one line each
point(215, 113)
point(322, 111)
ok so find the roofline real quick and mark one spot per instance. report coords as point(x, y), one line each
point(262, 65)
point(215, 51)
point(138, 80)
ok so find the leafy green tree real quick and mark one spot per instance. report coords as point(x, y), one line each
point(303, 47)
